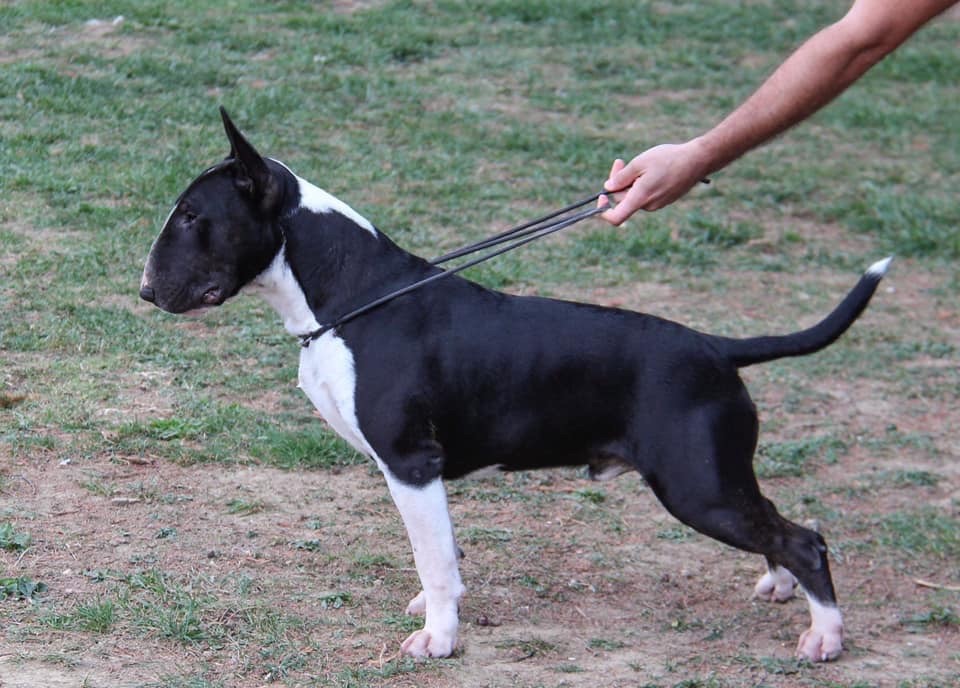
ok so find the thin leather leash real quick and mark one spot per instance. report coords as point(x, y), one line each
point(508, 240)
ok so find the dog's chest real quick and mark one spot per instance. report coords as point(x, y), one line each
point(327, 376)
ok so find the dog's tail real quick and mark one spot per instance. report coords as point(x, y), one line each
point(745, 352)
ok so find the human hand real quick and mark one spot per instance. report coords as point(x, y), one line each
point(653, 179)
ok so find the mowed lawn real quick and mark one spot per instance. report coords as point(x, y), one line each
point(173, 514)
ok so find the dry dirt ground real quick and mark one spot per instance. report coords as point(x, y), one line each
point(301, 578)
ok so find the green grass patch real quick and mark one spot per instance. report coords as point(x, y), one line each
point(935, 617)
point(161, 604)
point(94, 617)
point(245, 507)
point(791, 459)
point(924, 531)
point(360, 677)
point(605, 644)
point(528, 647)
point(312, 447)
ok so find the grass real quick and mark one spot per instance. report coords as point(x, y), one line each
point(791, 458)
point(925, 530)
point(443, 122)
point(95, 617)
point(100, 196)
point(245, 507)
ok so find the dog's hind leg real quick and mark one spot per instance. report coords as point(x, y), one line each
point(793, 554)
point(427, 519)
point(723, 500)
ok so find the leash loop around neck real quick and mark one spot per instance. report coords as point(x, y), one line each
point(508, 240)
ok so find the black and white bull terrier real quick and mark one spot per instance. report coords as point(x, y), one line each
point(454, 378)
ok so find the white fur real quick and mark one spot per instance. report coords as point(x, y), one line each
point(418, 605)
point(327, 375)
point(776, 585)
point(319, 201)
point(280, 289)
point(823, 641)
point(879, 269)
point(427, 519)
point(148, 266)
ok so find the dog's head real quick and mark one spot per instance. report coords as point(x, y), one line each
point(223, 231)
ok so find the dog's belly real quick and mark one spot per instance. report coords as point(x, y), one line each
point(328, 379)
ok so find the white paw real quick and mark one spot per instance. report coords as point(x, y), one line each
point(775, 586)
point(820, 646)
point(418, 605)
point(427, 643)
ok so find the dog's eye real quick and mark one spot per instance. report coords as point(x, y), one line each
point(189, 217)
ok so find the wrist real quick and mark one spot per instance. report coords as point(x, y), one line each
point(704, 155)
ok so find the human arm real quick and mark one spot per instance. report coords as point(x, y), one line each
point(817, 72)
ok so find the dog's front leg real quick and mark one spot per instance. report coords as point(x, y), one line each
point(427, 519)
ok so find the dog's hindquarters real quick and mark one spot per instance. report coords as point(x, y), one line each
point(702, 472)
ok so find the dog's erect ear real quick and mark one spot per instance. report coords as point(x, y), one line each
point(253, 177)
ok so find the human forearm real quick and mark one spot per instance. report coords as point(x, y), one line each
point(815, 74)
point(811, 77)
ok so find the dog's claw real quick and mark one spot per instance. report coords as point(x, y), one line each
point(819, 646)
point(424, 643)
point(418, 605)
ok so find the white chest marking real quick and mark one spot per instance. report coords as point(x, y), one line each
point(280, 289)
point(326, 367)
point(328, 378)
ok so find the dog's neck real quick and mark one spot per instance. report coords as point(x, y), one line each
point(332, 260)
point(279, 288)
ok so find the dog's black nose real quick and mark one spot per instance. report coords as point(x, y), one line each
point(146, 293)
